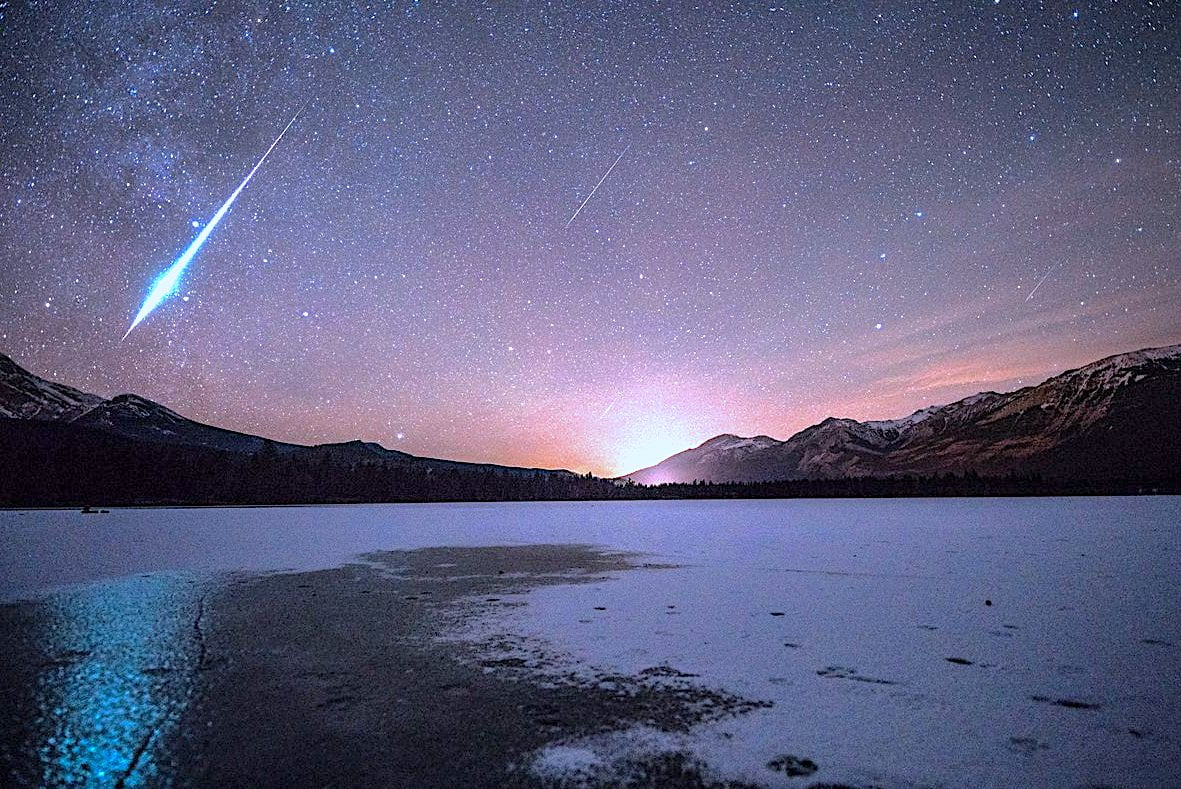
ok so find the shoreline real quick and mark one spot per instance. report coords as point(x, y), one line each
point(342, 676)
point(290, 505)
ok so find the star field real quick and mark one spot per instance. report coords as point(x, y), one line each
point(820, 209)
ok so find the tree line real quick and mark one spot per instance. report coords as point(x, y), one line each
point(47, 464)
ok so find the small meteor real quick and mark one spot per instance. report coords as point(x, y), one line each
point(1040, 281)
point(166, 284)
point(600, 183)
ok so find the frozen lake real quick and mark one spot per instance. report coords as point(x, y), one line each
point(984, 642)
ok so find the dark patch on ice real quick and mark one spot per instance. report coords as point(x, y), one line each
point(791, 645)
point(66, 658)
point(959, 661)
point(666, 671)
point(777, 613)
point(344, 701)
point(1027, 745)
point(158, 671)
point(1010, 627)
point(600, 608)
point(927, 627)
point(792, 766)
point(1156, 642)
point(1136, 733)
point(675, 769)
point(665, 769)
point(511, 662)
point(455, 689)
point(1072, 704)
point(367, 691)
point(841, 672)
point(548, 716)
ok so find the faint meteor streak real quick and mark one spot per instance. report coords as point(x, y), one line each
point(1040, 281)
point(609, 407)
point(600, 183)
point(166, 284)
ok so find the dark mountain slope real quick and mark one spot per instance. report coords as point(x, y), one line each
point(24, 395)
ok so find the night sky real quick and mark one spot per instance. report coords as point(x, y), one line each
point(820, 210)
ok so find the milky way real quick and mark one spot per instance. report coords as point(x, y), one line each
point(823, 210)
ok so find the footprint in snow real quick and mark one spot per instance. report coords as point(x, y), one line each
point(1027, 745)
point(841, 672)
point(1071, 704)
point(792, 766)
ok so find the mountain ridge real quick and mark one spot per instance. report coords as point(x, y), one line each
point(26, 396)
point(1046, 428)
point(1109, 419)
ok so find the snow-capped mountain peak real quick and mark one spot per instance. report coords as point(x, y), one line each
point(26, 396)
point(728, 442)
point(1103, 417)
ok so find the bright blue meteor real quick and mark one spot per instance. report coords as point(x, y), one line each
point(166, 284)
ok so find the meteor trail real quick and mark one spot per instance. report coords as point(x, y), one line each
point(166, 284)
point(1040, 281)
point(600, 183)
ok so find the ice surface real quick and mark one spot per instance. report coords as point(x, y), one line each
point(844, 614)
point(868, 625)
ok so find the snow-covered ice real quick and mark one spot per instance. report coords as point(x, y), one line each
point(982, 642)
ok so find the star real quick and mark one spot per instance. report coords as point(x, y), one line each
point(765, 214)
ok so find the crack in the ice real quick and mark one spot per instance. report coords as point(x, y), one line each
point(200, 665)
point(135, 758)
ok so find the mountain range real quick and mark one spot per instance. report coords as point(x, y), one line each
point(1118, 418)
point(1112, 426)
point(28, 398)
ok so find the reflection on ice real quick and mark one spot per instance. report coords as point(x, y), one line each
point(118, 670)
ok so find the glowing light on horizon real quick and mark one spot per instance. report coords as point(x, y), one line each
point(648, 451)
point(643, 434)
